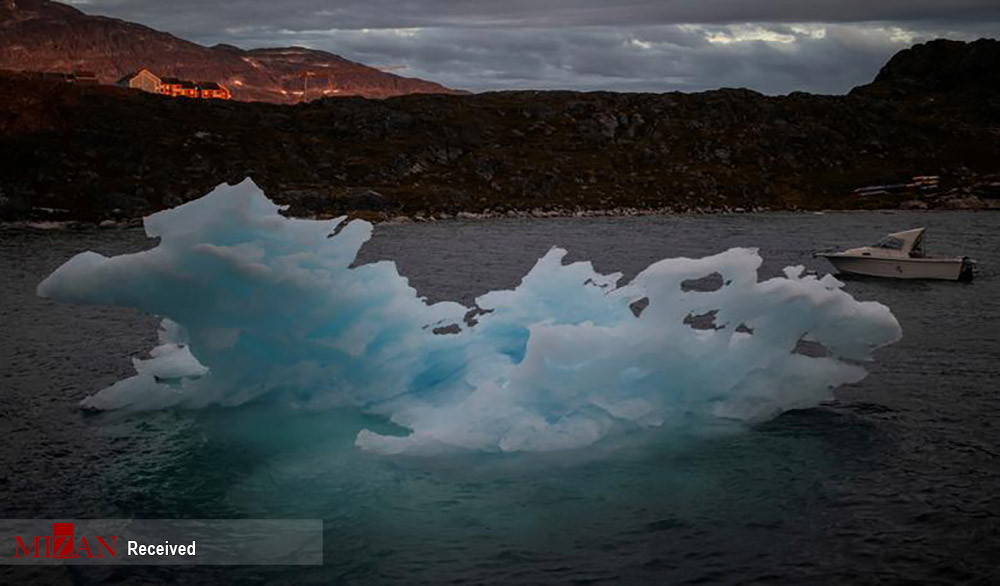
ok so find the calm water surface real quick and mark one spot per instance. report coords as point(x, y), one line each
point(896, 481)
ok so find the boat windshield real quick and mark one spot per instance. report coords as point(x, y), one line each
point(890, 242)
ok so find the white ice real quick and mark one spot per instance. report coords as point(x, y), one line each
point(260, 307)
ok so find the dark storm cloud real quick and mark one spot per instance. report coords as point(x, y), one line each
point(348, 14)
point(772, 46)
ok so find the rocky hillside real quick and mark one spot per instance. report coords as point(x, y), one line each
point(93, 152)
point(39, 35)
point(941, 67)
point(943, 78)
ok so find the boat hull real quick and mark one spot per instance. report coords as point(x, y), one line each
point(950, 269)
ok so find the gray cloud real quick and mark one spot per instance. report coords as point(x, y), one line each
point(353, 14)
point(773, 46)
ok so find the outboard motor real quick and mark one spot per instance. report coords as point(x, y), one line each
point(969, 269)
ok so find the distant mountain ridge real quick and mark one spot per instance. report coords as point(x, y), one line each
point(40, 35)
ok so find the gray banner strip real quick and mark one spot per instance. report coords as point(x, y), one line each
point(160, 542)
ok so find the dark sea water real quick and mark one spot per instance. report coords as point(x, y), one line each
point(897, 481)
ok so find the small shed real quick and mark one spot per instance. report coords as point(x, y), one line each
point(188, 89)
point(170, 86)
point(211, 89)
point(86, 78)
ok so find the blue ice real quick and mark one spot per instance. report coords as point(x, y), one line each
point(260, 307)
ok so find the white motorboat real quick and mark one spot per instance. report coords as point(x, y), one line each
point(900, 256)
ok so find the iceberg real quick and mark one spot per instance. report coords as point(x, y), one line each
point(259, 307)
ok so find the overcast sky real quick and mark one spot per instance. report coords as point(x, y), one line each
point(772, 46)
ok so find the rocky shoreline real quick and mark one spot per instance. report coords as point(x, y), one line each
point(963, 204)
